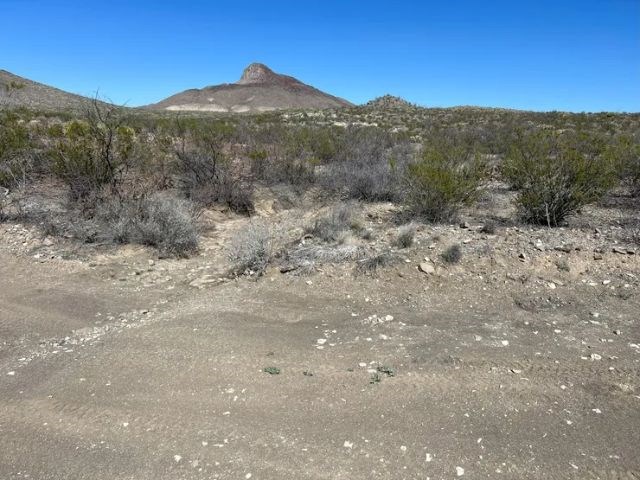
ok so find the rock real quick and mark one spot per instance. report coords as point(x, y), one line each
point(459, 471)
point(427, 268)
point(597, 256)
point(203, 281)
point(464, 225)
point(522, 256)
point(595, 356)
point(563, 248)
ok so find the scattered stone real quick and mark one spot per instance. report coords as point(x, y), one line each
point(595, 356)
point(617, 332)
point(428, 457)
point(347, 444)
point(11, 373)
point(464, 225)
point(459, 471)
point(177, 458)
point(427, 268)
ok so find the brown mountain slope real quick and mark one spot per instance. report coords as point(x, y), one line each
point(259, 89)
point(16, 92)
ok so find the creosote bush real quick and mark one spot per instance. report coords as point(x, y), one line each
point(555, 175)
point(444, 179)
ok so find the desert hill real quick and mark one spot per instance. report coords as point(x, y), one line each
point(259, 89)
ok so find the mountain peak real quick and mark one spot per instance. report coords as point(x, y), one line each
point(258, 73)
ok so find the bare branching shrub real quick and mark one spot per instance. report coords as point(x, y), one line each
point(489, 227)
point(446, 177)
point(159, 220)
point(93, 152)
point(556, 175)
point(205, 173)
point(405, 236)
point(368, 165)
point(452, 255)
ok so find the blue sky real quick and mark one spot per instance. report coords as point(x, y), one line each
point(537, 54)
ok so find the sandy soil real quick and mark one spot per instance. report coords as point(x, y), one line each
point(115, 364)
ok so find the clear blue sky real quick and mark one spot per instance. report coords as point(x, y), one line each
point(578, 55)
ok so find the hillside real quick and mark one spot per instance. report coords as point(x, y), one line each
point(259, 89)
point(19, 92)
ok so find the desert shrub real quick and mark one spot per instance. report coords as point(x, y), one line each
point(405, 236)
point(555, 176)
point(331, 227)
point(371, 264)
point(282, 155)
point(159, 220)
point(446, 177)
point(93, 152)
point(452, 255)
point(489, 227)
point(624, 153)
point(205, 174)
point(15, 155)
point(253, 248)
point(368, 165)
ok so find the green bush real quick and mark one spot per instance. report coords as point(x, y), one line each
point(15, 143)
point(446, 177)
point(624, 152)
point(555, 175)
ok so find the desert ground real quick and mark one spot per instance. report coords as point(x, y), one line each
point(522, 360)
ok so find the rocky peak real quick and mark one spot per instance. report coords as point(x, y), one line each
point(258, 73)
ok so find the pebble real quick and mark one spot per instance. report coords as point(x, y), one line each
point(347, 444)
point(428, 457)
point(595, 356)
point(177, 458)
point(11, 374)
point(459, 471)
point(505, 343)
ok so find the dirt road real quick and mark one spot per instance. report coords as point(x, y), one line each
point(394, 376)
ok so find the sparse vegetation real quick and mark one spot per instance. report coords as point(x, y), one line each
point(556, 175)
point(253, 248)
point(405, 236)
point(446, 177)
point(452, 255)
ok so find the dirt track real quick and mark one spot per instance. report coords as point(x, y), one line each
point(104, 378)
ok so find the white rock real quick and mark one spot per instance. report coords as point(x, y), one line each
point(321, 341)
point(459, 471)
point(595, 356)
point(428, 457)
point(11, 374)
point(505, 342)
point(347, 444)
point(177, 458)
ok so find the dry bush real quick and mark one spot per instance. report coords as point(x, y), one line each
point(253, 248)
point(405, 236)
point(332, 227)
point(159, 220)
point(368, 165)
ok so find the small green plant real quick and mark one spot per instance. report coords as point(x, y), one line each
point(446, 178)
point(452, 255)
point(271, 370)
point(556, 175)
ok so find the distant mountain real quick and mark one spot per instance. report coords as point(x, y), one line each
point(259, 89)
point(17, 92)
point(389, 102)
